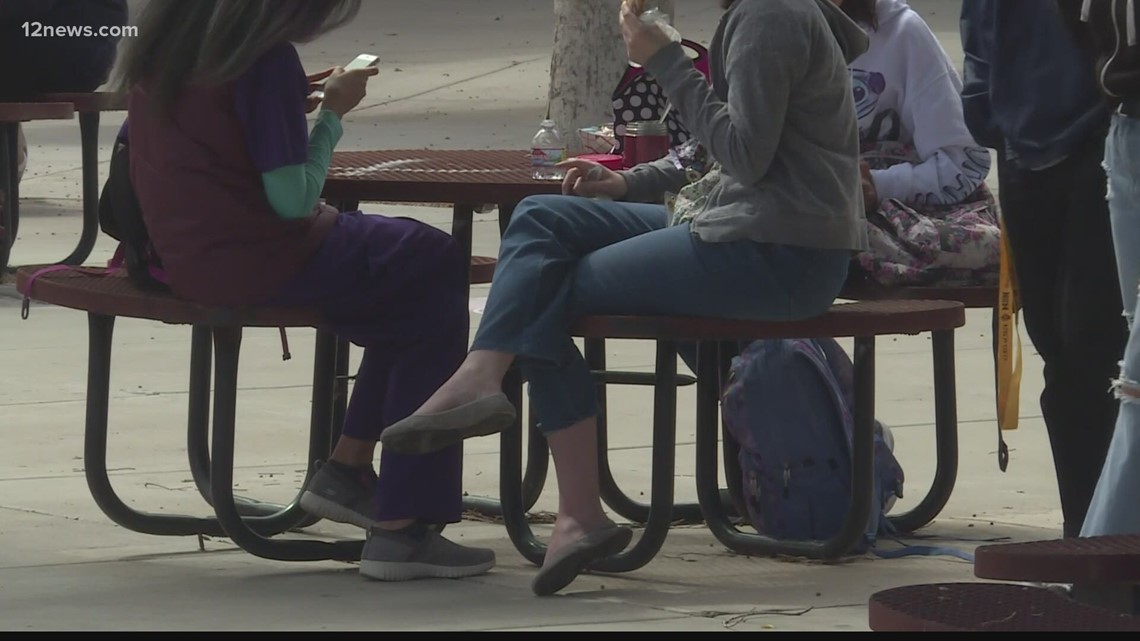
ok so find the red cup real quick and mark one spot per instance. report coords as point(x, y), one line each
point(609, 161)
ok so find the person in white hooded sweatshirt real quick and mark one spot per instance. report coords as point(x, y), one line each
point(908, 91)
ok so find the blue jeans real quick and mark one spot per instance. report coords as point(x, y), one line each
point(563, 257)
point(1114, 508)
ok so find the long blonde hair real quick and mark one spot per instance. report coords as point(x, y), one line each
point(215, 41)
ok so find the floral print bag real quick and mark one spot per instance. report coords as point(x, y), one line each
point(947, 245)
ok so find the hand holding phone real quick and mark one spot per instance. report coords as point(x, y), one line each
point(346, 87)
point(363, 61)
point(317, 88)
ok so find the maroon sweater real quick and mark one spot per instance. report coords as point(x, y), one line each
point(204, 205)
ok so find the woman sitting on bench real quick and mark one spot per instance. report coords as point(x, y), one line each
point(766, 234)
point(229, 179)
point(931, 217)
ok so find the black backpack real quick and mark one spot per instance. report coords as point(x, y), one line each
point(120, 217)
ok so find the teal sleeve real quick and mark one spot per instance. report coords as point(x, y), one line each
point(294, 190)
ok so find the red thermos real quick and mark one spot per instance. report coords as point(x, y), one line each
point(645, 142)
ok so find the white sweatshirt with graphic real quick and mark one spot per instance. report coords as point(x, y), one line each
point(907, 90)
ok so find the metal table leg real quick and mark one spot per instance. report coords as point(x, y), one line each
point(506, 212)
point(198, 415)
point(661, 510)
point(198, 447)
point(101, 330)
point(247, 532)
point(513, 504)
point(538, 456)
point(342, 376)
point(612, 494)
point(340, 390)
point(946, 435)
point(89, 137)
point(463, 229)
point(661, 506)
point(8, 183)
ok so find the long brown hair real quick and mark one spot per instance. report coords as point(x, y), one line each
point(215, 41)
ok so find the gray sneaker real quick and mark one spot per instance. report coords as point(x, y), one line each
point(419, 554)
point(335, 495)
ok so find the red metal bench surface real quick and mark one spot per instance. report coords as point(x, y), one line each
point(90, 102)
point(26, 111)
point(1102, 559)
point(987, 607)
point(115, 295)
point(869, 318)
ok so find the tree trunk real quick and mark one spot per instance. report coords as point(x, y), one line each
point(589, 60)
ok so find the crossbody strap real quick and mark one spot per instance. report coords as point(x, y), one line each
point(114, 266)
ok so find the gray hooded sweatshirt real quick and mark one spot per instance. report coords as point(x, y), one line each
point(780, 120)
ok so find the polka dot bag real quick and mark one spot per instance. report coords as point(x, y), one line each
point(638, 98)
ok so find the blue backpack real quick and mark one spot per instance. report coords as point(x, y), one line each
point(789, 404)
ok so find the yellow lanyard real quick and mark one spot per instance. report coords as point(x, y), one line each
point(1009, 361)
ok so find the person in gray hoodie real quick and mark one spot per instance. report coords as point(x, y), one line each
point(766, 233)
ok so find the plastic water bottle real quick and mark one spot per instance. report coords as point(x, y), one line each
point(546, 151)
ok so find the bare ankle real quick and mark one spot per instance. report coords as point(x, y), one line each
point(484, 368)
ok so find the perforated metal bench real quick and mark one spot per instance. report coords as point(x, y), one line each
point(216, 335)
point(972, 297)
point(1103, 570)
point(862, 321)
point(988, 607)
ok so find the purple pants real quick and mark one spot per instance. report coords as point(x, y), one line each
point(397, 288)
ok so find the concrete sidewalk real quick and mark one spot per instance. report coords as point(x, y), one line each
point(461, 75)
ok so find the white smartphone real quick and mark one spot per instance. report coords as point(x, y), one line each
point(363, 61)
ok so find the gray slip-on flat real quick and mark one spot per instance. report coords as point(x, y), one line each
point(561, 570)
point(426, 433)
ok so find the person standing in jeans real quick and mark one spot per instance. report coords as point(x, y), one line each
point(1029, 95)
point(1109, 28)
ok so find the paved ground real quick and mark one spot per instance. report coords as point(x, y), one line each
point(456, 74)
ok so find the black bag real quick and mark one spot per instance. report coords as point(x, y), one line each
point(120, 217)
point(638, 97)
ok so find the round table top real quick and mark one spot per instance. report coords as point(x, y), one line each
point(26, 111)
point(471, 177)
point(89, 102)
